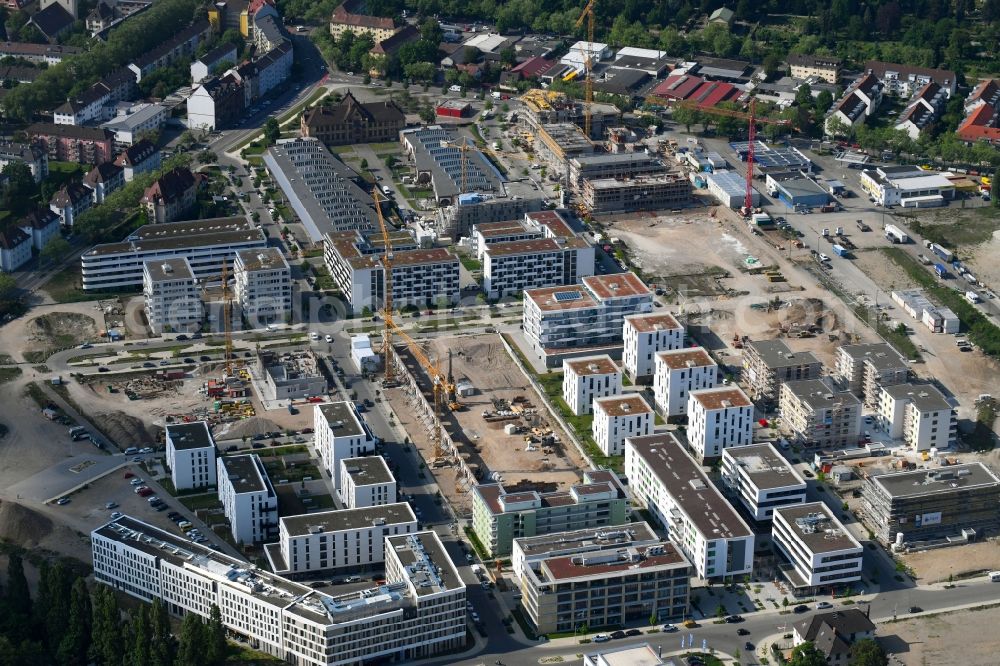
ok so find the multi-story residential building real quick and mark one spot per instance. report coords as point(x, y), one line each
point(42, 225)
point(677, 373)
point(70, 143)
point(97, 103)
point(863, 368)
point(561, 321)
point(206, 244)
point(905, 80)
point(826, 68)
point(191, 455)
point(762, 479)
point(821, 553)
point(420, 277)
point(365, 482)
point(620, 584)
point(320, 188)
point(340, 433)
point(919, 414)
point(925, 107)
point(417, 613)
point(212, 61)
point(577, 542)
point(50, 54)
point(32, 155)
point(172, 296)
point(860, 101)
point(171, 196)
point(135, 122)
point(613, 165)
point(15, 249)
point(719, 418)
point(644, 336)
point(345, 19)
point(217, 102)
point(474, 208)
point(587, 378)
point(248, 498)
point(349, 122)
point(499, 517)
point(815, 414)
point(646, 192)
point(982, 122)
point(272, 70)
point(932, 504)
point(345, 539)
point(268, 31)
point(667, 481)
point(104, 179)
point(617, 417)
point(72, 200)
point(511, 268)
point(834, 633)
point(141, 157)
point(263, 285)
point(769, 363)
point(184, 43)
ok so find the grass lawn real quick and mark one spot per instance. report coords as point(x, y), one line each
point(961, 227)
point(552, 385)
point(342, 150)
point(206, 501)
point(65, 287)
point(470, 263)
point(9, 374)
point(63, 172)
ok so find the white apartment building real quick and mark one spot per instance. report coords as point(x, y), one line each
point(677, 373)
point(919, 414)
point(191, 455)
point(130, 126)
point(644, 337)
point(346, 539)
point(248, 498)
point(667, 481)
point(510, 268)
point(815, 414)
point(563, 321)
point(863, 368)
point(821, 552)
point(263, 285)
point(204, 243)
point(719, 418)
point(172, 296)
point(617, 417)
point(762, 479)
point(405, 619)
point(340, 433)
point(365, 482)
point(589, 377)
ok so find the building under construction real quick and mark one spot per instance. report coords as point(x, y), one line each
point(625, 195)
point(542, 107)
point(290, 375)
point(558, 143)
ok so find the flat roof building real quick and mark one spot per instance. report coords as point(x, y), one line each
point(191, 455)
point(919, 414)
point(718, 418)
point(365, 482)
point(729, 189)
point(350, 539)
point(171, 295)
point(701, 522)
point(919, 189)
point(441, 163)
point(617, 417)
point(289, 375)
point(769, 363)
point(644, 336)
point(206, 244)
point(644, 192)
point(642, 654)
point(563, 321)
point(678, 372)
point(762, 479)
point(417, 613)
point(613, 165)
point(248, 498)
point(924, 505)
point(587, 378)
point(575, 542)
point(263, 286)
point(820, 551)
point(817, 415)
point(499, 517)
point(863, 368)
point(511, 268)
point(340, 432)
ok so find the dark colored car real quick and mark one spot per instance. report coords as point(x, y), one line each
point(742, 632)
point(633, 632)
point(103, 369)
point(916, 609)
point(801, 609)
point(196, 336)
point(181, 337)
point(258, 445)
point(617, 634)
point(148, 364)
point(231, 447)
point(188, 359)
point(204, 358)
point(748, 646)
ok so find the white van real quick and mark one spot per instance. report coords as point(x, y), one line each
point(386, 191)
point(995, 576)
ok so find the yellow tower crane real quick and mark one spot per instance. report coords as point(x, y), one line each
point(443, 388)
point(387, 300)
point(227, 313)
point(588, 15)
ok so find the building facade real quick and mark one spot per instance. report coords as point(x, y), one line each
point(69, 143)
point(863, 368)
point(248, 498)
point(191, 455)
point(761, 479)
point(678, 372)
point(587, 378)
point(511, 268)
point(644, 336)
point(340, 433)
point(172, 296)
point(617, 417)
point(647, 192)
point(821, 554)
point(171, 196)
point(263, 285)
point(919, 414)
point(350, 122)
point(826, 68)
point(719, 418)
point(366, 482)
point(769, 363)
point(817, 415)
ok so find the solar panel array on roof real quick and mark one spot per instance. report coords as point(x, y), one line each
point(563, 296)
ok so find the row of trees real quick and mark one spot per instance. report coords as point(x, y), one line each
point(70, 625)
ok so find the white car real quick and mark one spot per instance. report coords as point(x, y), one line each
point(824, 605)
point(823, 257)
point(314, 335)
point(328, 338)
point(668, 628)
point(602, 638)
point(455, 88)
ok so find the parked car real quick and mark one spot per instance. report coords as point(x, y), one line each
point(131, 450)
point(916, 609)
point(137, 481)
point(146, 449)
point(111, 505)
point(633, 632)
point(62, 501)
point(617, 634)
point(116, 515)
point(801, 608)
point(601, 638)
point(823, 605)
point(668, 628)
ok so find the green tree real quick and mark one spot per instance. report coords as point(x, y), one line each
point(191, 647)
point(807, 654)
point(161, 646)
point(866, 652)
point(20, 182)
point(364, 164)
point(420, 71)
point(54, 249)
point(685, 116)
point(106, 645)
point(75, 643)
point(215, 638)
point(18, 595)
point(140, 638)
point(272, 131)
point(52, 608)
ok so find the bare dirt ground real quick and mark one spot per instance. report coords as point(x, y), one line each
point(482, 360)
point(982, 261)
point(962, 637)
point(934, 566)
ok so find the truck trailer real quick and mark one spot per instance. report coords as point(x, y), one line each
point(895, 234)
point(942, 252)
point(840, 250)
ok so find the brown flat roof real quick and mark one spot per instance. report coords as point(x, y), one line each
point(647, 323)
point(691, 489)
point(554, 221)
point(571, 297)
point(437, 255)
point(677, 359)
point(529, 246)
point(619, 285)
point(718, 398)
point(592, 365)
point(650, 557)
point(487, 229)
point(617, 405)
